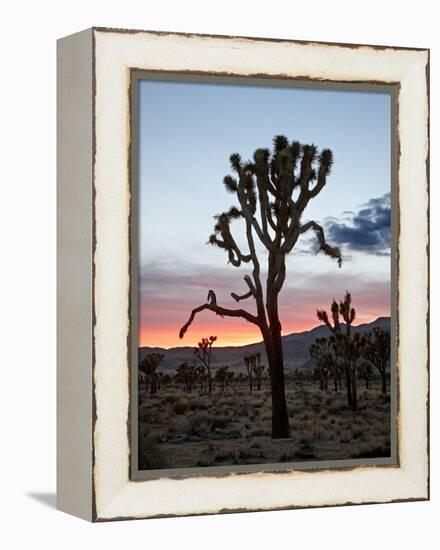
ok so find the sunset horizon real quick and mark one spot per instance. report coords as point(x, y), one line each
point(226, 338)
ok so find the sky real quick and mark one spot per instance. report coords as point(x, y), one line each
point(187, 132)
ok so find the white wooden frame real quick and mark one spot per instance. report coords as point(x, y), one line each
point(94, 282)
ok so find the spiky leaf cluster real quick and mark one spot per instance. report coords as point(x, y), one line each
point(264, 187)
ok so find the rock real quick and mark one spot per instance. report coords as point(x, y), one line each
point(178, 439)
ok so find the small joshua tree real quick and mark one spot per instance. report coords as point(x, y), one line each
point(273, 191)
point(377, 351)
point(365, 372)
point(149, 367)
point(349, 348)
point(354, 348)
point(338, 337)
point(203, 352)
point(182, 375)
point(258, 370)
point(249, 361)
point(201, 377)
point(229, 378)
point(321, 352)
point(221, 375)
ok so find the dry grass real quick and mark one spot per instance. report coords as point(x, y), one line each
point(178, 430)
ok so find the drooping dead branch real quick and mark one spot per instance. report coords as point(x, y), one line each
point(332, 251)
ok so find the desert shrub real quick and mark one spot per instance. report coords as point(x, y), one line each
point(286, 456)
point(305, 442)
point(228, 402)
point(151, 453)
point(180, 425)
point(198, 405)
point(200, 425)
point(242, 409)
point(180, 407)
point(223, 456)
point(149, 416)
point(346, 436)
point(318, 433)
point(336, 408)
point(206, 460)
point(170, 399)
point(305, 451)
point(293, 410)
point(220, 423)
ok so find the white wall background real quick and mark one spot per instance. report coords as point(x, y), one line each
point(27, 273)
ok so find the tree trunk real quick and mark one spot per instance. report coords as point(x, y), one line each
point(209, 380)
point(384, 381)
point(353, 389)
point(348, 385)
point(280, 417)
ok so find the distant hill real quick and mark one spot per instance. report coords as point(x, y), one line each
point(296, 348)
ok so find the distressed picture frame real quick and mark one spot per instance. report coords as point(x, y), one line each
point(96, 274)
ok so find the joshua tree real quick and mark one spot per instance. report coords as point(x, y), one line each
point(249, 361)
point(258, 370)
point(354, 348)
point(200, 374)
point(187, 374)
point(346, 346)
point(378, 351)
point(365, 371)
point(321, 352)
point(203, 352)
point(229, 378)
point(182, 375)
point(240, 378)
point(337, 338)
point(273, 190)
point(221, 375)
point(149, 366)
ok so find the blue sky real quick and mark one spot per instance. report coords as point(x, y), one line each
point(187, 133)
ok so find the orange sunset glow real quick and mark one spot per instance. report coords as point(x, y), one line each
point(230, 332)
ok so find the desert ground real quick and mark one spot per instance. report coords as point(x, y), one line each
point(178, 429)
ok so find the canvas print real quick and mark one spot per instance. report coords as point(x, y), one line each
point(265, 277)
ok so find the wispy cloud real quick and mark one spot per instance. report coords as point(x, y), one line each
point(369, 230)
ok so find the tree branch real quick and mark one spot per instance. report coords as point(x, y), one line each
point(252, 290)
point(218, 310)
point(332, 251)
point(237, 298)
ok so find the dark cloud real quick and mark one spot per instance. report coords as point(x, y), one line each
point(369, 230)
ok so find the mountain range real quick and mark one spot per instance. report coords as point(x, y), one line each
point(296, 349)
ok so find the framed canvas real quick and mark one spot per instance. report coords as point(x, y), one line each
point(242, 274)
